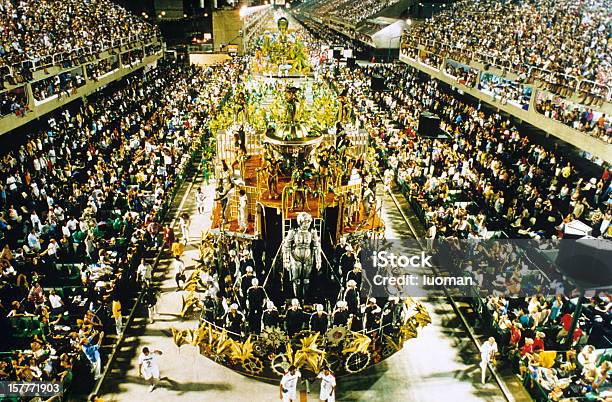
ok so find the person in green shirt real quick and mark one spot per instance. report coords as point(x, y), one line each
point(206, 171)
point(78, 237)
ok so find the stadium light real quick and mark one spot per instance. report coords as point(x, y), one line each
point(408, 21)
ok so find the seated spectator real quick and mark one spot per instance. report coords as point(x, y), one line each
point(100, 23)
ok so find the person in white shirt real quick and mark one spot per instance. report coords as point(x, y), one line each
point(33, 241)
point(8, 271)
point(11, 182)
point(35, 190)
point(72, 224)
point(184, 225)
point(289, 383)
point(36, 223)
point(51, 250)
point(144, 272)
point(200, 201)
point(328, 385)
point(148, 367)
point(488, 350)
point(57, 304)
point(66, 231)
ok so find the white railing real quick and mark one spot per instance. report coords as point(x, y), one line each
point(57, 58)
point(604, 90)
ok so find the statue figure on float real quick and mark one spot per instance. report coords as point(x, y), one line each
point(301, 252)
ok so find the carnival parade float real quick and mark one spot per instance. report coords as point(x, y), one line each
point(280, 279)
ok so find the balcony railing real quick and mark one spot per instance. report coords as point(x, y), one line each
point(565, 84)
point(61, 58)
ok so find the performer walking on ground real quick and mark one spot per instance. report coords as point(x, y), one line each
point(200, 199)
point(288, 385)
point(328, 385)
point(148, 368)
point(184, 225)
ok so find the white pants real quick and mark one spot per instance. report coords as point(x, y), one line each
point(329, 398)
point(97, 368)
point(119, 324)
point(150, 373)
point(242, 220)
point(185, 233)
point(290, 396)
point(151, 313)
point(483, 368)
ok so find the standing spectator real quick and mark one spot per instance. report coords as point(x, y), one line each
point(144, 273)
point(34, 241)
point(116, 314)
point(57, 304)
point(488, 351)
point(92, 352)
point(37, 296)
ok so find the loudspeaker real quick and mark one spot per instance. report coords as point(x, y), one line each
point(429, 125)
point(378, 83)
point(337, 54)
point(350, 62)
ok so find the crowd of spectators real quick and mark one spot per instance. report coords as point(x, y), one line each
point(13, 102)
point(486, 177)
point(99, 68)
point(562, 40)
point(328, 37)
point(534, 335)
point(81, 202)
point(35, 29)
point(487, 180)
point(581, 118)
point(132, 57)
point(505, 90)
point(346, 10)
point(552, 104)
point(431, 59)
point(464, 75)
point(64, 84)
